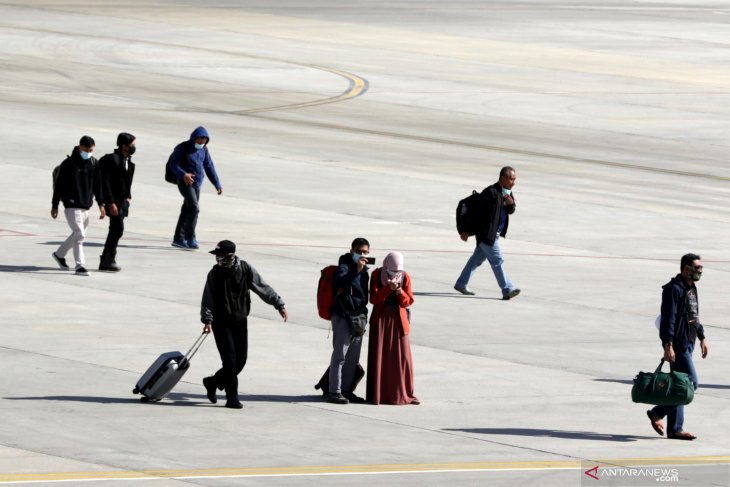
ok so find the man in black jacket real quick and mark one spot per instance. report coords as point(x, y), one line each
point(497, 204)
point(679, 329)
point(224, 311)
point(351, 284)
point(117, 171)
point(76, 183)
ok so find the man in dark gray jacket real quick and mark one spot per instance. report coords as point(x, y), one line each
point(224, 310)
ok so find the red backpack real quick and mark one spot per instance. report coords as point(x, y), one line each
point(326, 292)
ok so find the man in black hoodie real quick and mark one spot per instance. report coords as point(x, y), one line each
point(224, 311)
point(117, 171)
point(351, 285)
point(77, 182)
point(679, 329)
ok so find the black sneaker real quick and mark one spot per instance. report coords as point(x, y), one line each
point(464, 290)
point(210, 389)
point(180, 244)
point(511, 294)
point(61, 262)
point(81, 271)
point(234, 404)
point(336, 398)
point(350, 396)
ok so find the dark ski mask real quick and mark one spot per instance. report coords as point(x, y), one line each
point(225, 260)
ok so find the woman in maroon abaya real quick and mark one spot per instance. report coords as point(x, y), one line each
point(390, 365)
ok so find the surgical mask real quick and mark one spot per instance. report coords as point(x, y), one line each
point(506, 191)
point(356, 257)
point(199, 146)
point(131, 150)
point(85, 155)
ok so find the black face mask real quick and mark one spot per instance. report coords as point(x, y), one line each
point(131, 149)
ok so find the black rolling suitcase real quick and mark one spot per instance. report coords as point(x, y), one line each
point(165, 373)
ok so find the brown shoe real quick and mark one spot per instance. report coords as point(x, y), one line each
point(682, 435)
point(656, 423)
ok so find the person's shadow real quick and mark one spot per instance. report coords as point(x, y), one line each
point(550, 433)
point(30, 268)
point(172, 399)
point(454, 294)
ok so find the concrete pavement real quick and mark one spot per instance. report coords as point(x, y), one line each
point(334, 120)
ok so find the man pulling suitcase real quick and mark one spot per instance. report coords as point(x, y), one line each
point(224, 311)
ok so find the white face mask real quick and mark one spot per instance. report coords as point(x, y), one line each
point(85, 155)
point(199, 146)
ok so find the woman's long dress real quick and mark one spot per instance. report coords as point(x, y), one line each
point(390, 364)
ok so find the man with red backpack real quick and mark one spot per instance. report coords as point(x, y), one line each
point(349, 313)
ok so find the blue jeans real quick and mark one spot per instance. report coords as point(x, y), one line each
point(188, 220)
point(493, 254)
point(675, 414)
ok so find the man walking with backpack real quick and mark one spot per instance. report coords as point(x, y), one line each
point(349, 316)
point(117, 171)
point(190, 163)
point(679, 329)
point(76, 182)
point(224, 311)
point(496, 204)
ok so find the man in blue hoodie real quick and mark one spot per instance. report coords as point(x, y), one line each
point(190, 163)
point(680, 328)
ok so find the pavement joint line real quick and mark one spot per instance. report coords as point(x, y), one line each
point(315, 246)
point(334, 470)
point(495, 148)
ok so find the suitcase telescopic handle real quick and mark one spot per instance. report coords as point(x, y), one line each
point(193, 350)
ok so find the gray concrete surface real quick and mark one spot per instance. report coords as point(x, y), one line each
point(336, 119)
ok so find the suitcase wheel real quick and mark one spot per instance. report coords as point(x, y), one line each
point(144, 399)
point(135, 390)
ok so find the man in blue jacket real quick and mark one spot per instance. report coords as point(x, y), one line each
point(351, 303)
point(191, 162)
point(680, 327)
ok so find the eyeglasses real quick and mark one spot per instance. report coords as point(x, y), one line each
point(696, 268)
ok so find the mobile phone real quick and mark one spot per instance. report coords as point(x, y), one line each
point(370, 260)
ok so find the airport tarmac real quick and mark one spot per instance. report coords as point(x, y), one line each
point(331, 120)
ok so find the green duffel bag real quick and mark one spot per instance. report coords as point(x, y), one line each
point(662, 388)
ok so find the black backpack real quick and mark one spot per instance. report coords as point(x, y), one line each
point(468, 212)
point(169, 175)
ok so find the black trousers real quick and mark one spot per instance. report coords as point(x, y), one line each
point(116, 229)
point(232, 343)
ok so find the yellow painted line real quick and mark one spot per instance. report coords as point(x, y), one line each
point(357, 87)
point(348, 469)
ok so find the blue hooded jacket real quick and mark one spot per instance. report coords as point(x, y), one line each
point(187, 159)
